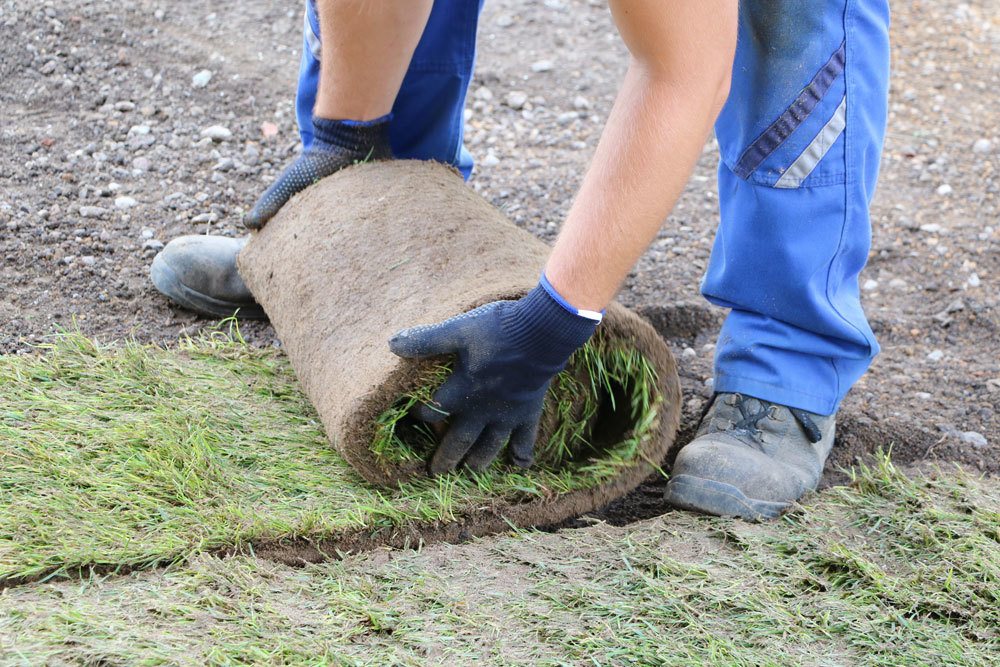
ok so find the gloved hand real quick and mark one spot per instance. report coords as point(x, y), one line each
point(507, 352)
point(336, 144)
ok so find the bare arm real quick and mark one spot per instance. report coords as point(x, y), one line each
point(677, 81)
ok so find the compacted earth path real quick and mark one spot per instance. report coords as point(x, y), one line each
point(124, 124)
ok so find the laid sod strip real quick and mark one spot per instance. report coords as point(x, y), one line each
point(888, 571)
point(122, 457)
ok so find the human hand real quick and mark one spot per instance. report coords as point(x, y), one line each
point(507, 352)
point(336, 144)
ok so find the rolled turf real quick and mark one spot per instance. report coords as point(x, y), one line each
point(382, 246)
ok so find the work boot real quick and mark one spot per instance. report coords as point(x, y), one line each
point(750, 459)
point(199, 273)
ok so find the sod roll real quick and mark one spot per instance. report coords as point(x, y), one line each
point(383, 246)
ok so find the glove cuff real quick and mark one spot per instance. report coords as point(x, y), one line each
point(542, 327)
point(366, 138)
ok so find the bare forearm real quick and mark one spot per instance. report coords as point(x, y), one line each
point(661, 118)
point(367, 47)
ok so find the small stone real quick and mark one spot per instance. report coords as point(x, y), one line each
point(710, 383)
point(542, 66)
point(48, 68)
point(973, 280)
point(974, 438)
point(580, 103)
point(217, 133)
point(944, 189)
point(567, 118)
point(483, 93)
point(923, 395)
point(153, 244)
point(124, 106)
point(125, 202)
point(88, 260)
point(68, 259)
point(898, 283)
point(982, 146)
point(689, 353)
point(225, 164)
point(870, 285)
point(92, 212)
point(931, 228)
point(516, 100)
point(269, 130)
point(147, 233)
point(491, 160)
point(201, 79)
point(141, 164)
point(936, 355)
point(139, 130)
point(204, 217)
point(505, 20)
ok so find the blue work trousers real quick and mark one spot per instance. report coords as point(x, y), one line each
point(800, 138)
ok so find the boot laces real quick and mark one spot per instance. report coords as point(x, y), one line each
point(748, 422)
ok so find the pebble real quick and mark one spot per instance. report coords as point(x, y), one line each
point(201, 79)
point(505, 20)
point(204, 217)
point(88, 260)
point(125, 202)
point(973, 280)
point(897, 283)
point(225, 164)
point(567, 118)
point(153, 244)
point(516, 100)
point(542, 66)
point(870, 285)
point(975, 439)
point(483, 93)
point(491, 160)
point(141, 164)
point(92, 212)
point(936, 355)
point(269, 130)
point(49, 67)
point(124, 105)
point(688, 353)
point(217, 133)
point(944, 189)
point(982, 146)
point(147, 233)
point(931, 228)
point(580, 103)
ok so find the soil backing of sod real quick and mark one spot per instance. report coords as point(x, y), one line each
point(379, 247)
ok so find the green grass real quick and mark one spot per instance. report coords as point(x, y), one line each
point(598, 374)
point(132, 456)
point(887, 571)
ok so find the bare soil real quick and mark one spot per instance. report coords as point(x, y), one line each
point(102, 156)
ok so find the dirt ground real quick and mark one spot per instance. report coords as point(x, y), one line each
point(103, 159)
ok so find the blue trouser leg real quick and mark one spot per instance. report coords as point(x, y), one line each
point(427, 121)
point(800, 138)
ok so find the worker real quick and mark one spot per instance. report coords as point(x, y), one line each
point(797, 94)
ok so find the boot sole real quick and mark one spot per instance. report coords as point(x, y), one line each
point(166, 281)
point(709, 496)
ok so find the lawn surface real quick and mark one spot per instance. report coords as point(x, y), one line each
point(130, 456)
point(133, 457)
point(889, 571)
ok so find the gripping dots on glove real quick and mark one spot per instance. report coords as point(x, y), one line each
point(336, 144)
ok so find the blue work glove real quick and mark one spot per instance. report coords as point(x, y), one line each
point(506, 353)
point(336, 144)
